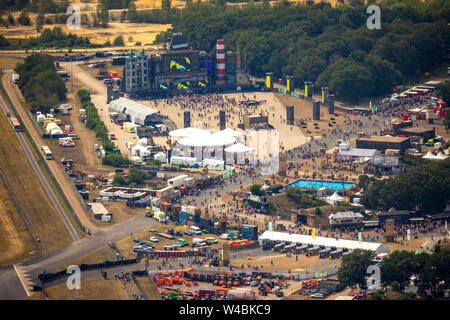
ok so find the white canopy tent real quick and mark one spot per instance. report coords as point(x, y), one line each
point(230, 133)
point(430, 156)
point(441, 156)
point(188, 132)
point(333, 198)
point(238, 148)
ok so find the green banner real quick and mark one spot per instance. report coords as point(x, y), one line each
point(227, 174)
point(294, 94)
point(281, 90)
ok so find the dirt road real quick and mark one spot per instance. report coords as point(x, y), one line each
point(57, 171)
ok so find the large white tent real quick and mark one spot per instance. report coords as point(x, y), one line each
point(142, 114)
point(322, 241)
point(211, 140)
point(238, 148)
point(188, 132)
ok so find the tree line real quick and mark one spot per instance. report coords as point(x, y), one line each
point(39, 83)
point(94, 123)
point(329, 46)
point(429, 269)
point(424, 187)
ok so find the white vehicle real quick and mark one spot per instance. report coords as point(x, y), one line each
point(194, 228)
point(225, 236)
point(153, 239)
point(379, 258)
point(177, 181)
point(15, 78)
point(198, 242)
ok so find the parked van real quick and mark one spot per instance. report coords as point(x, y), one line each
point(198, 242)
point(194, 228)
point(225, 236)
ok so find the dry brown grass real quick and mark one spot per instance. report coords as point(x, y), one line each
point(33, 199)
point(143, 32)
point(413, 244)
point(96, 289)
point(280, 262)
point(15, 240)
point(8, 62)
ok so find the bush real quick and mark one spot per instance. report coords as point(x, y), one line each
point(118, 41)
point(395, 286)
point(120, 181)
point(115, 160)
point(256, 189)
point(317, 211)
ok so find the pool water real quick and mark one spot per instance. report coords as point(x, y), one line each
point(317, 184)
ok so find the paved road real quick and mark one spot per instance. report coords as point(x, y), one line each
point(11, 287)
point(42, 178)
point(77, 249)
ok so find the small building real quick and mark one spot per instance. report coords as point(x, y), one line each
point(254, 120)
point(346, 153)
point(425, 133)
point(98, 210)
point(400, 216)
point(383, 142)
point(384, 165)
point(348, 218)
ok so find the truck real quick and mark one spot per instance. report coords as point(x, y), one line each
point(177, 181)
point(15, 78)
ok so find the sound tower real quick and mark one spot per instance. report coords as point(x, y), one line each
point(222, 119)
point(290, 115)
point(325, 93)
point(289, 84)
point(331, 103)
point(316, 110)
point(187, 119)
point(269, 80)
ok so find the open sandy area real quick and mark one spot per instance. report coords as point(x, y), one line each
point(290, 136)
point(277, 262)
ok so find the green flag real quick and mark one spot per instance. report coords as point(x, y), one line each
point(360, 237)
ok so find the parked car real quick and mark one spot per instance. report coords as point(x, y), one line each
point(177, 244)
point(225, 236)
point(318, 295)
point(188, 233)
point(153, 239)
point(254, 283)
point(137, 249)
point(137, 240)
point(211, 240)
point(198, 232)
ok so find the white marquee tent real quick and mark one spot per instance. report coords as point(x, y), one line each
point(322, 241)
point(230, 133)
point(211, 140)
point(430, 156)
point(238, 148)
point(188, 132)
point(333, 198)
point(441, 156)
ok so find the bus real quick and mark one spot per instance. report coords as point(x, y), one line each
point(16, 124)
point(48, 154)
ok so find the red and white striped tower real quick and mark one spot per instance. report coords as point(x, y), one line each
point(220, 60)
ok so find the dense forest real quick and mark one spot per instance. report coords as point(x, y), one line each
point(425, 188)
point(41, 86)
point(329, 46)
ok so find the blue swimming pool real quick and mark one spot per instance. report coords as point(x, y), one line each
point(317, 184)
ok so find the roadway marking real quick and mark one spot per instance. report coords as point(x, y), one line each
point(22, 281)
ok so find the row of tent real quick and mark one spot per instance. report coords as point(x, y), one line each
point(439, 156)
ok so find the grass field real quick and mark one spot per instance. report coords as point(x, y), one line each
point(33, 199)
point(95, 289)
point(15, 240)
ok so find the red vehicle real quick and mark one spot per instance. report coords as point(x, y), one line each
point(237, 243)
